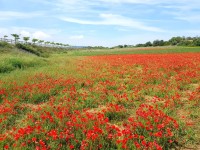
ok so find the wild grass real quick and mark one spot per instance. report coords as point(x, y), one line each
point(10, 62)
point(151, 50)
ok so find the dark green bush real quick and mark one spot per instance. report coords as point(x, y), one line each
point(6, 68)
point(5, 45)
point(12, 63)
point(31, 49)
point(16, 63)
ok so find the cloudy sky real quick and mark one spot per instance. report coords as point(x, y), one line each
point(100, 22)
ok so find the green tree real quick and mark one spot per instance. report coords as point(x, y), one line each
point(156, 43)
point(175, 40)
point(16, 36)
point(140, 45)
point(196, 42)
point(57, 44)
point(41, 41)
point(65, 45)
point(5, 36)
point(52, 43)
point(147, 44)
point(34, 40)
point(125, 46)
point(166, 43)
point(47, 43)
point(120, 46)
point(26, 39)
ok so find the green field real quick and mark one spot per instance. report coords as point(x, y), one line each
point(150, 50)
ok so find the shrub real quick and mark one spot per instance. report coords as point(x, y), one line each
point(5, 68)
point(9, 64)
point(5, 45)
point(31, 49)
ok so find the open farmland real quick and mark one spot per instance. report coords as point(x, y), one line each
point(132, 101)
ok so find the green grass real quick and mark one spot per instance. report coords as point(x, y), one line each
point(151, 50)
point(11, 62)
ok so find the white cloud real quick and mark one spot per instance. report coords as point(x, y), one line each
point(123, 29)
point(76, 37)
point(184, 13)
point(85, 11)
point(24, 33)
point(40, 35)
point(181, 3)
point(7, 15)
point(3, 30)
point(130, 1)
point(189, 18)
point(88, 3)
point(118, 20)
point(44, 34)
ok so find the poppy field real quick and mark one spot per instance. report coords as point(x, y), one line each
point(133, 101)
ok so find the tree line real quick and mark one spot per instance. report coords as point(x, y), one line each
point(34, 41)
point(174, 41)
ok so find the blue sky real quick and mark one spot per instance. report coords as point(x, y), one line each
point(100, 22)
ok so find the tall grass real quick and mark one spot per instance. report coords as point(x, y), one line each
point(11, 62)
point(151, 50)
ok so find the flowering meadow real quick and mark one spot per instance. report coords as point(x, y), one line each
point(141, 101)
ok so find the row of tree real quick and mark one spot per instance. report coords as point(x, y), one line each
point(35, 41)
point(174, 41)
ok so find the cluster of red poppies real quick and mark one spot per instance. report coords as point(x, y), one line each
point(115, 102)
